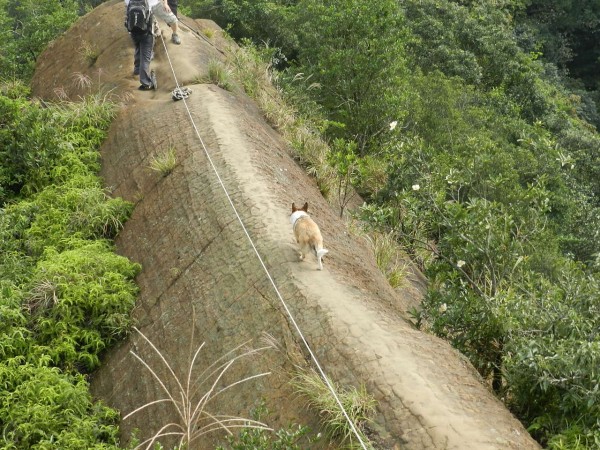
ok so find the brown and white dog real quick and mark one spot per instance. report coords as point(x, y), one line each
point(307, 233)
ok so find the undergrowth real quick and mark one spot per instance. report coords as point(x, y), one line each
point(358, 404)
point(293, 437)
point(65, 296)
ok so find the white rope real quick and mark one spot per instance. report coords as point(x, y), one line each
point(314, 357)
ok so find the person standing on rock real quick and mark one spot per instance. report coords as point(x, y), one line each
point(162, 10)
point(139, 21)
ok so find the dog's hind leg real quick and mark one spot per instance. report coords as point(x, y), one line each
point(320, 255)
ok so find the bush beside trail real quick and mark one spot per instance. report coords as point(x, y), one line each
point(65, 296)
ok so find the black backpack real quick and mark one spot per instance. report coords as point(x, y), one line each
point(139, 17)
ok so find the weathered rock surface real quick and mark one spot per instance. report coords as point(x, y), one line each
point(202, 276)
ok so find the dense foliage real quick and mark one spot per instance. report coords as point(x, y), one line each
point(27, 26)
point(492, 171)
point(65, 296)
point(483, 114)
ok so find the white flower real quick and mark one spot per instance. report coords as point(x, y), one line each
point(393, 125)
point(443, 308)
point(460, 263)
point(416, 187)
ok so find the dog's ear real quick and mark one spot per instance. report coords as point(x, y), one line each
point(305, 207)
point(294, 209)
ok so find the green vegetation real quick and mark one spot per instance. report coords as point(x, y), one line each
point(219, 75)
point(65, 296)
point(477, 153)
point(290, 438)
point(164, 163)
point(389, 257)
point(358, 404)
point(26, 28)
point(88, 53)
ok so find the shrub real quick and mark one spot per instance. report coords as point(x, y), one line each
point(77, 209)
point(252, 438)
point(357, 403)
point(64, 295)
point(44, 146)
point(87, 291)
point(42, 407)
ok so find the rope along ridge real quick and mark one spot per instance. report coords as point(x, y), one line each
point(285, 306)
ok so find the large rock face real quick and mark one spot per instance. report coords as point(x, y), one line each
point(203, 282)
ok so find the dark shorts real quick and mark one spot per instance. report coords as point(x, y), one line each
point(173, 5)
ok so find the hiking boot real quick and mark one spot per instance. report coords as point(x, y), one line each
point(146, 87)
point(175, 39)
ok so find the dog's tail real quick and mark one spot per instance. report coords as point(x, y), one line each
point(320, 254)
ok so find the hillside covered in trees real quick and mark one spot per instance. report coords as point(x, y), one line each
point(470, 128)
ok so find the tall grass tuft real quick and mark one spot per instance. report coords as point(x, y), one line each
point(192, 393)
point(254, 72)
point(164, 163)
point(219, 74)
point(388, 256)
point(89, 53)
point(358, 404)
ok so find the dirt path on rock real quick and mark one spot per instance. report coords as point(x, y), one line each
point(429, 396)
point(423, 386)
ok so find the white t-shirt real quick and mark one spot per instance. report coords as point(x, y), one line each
point(151, 3)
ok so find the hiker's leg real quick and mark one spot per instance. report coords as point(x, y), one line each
point(160, 12)
point(136, 56)
point(146, 47)
point(173, 5)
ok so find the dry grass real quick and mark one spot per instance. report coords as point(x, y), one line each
point(43, 296)
point(88, 52)
point(219, 74)
point(192, 393)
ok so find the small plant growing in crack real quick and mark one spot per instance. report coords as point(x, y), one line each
point(191, 395)
point(164, 163)
point(358, 404)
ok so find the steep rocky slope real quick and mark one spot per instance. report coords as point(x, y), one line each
point(201, 276)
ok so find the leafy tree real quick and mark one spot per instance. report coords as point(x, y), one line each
point(567, 31)
point(263, 21)
point(353, 51)
point(32, 25)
